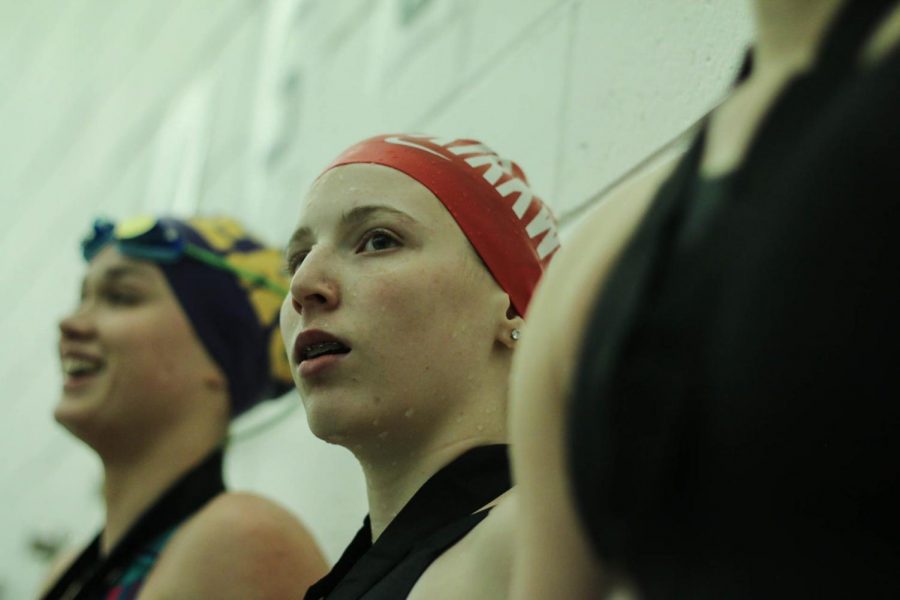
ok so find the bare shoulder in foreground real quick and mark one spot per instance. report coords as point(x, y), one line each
point(553, 559)
point(239, 546)
point(481, 564)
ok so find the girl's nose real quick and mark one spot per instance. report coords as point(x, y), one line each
point(314, 285)
point(77, 326)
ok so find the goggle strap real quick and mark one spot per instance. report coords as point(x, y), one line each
point(214, 260)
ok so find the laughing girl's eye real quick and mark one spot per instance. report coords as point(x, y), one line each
point(120, 297)
point(378, 240)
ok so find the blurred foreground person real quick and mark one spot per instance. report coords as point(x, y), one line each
point(413, 263)
point(705, 402)
point(174, 336)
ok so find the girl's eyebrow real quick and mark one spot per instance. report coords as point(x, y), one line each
point(363, 213)
point(304, 236)
point(116, 273)
point(120, 271)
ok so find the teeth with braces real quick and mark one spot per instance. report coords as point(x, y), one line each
point(316, 350)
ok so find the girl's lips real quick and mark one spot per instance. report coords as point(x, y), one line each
point(74, 383)
point(310, 337)
point(314, 367)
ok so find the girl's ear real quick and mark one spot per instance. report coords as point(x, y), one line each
point(511, 328)
point(214, 380)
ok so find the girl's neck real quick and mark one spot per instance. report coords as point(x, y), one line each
point(392, 482)
point(788, 32)
point(398, 460)
point(134, 480)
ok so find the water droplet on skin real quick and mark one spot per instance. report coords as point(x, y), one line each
point(375, 423)
point(383, 435)
point(409, 413)
point(480, 428)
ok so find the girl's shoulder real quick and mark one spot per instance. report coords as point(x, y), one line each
point(238, 545)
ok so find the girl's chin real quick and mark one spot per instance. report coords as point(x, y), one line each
point(341, 425)
point(76, 420)
point(331, 428)
point(70, 409)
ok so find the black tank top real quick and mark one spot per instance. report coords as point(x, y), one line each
point(734, 421)
point(440, 513)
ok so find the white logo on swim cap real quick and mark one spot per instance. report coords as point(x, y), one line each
point(477, 155)
point(400, 141)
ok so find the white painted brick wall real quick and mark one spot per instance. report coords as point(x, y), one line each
point(577, 91)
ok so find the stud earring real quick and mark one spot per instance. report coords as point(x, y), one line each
point(514, 334)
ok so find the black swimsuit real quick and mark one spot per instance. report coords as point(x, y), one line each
point(121, 574)
point(735, 418)
point(441, 513)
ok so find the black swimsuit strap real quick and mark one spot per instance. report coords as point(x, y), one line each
point(449, 497)
point(401, 580)
point(92, 573)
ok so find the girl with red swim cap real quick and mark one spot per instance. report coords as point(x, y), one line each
point(412, 267)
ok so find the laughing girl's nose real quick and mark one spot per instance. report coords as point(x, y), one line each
point(77, 326)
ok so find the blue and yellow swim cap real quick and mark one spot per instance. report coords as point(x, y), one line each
point(230, 286)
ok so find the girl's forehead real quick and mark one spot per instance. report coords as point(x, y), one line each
point(111, 262)
point(348, 188)
point(110, 267)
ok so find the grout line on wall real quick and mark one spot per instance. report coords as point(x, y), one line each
point(488, 63)
point(34, 168)
point(139, 133)
point(676, 144)
point(348, 27)
point(210, 49)
point(566, 100)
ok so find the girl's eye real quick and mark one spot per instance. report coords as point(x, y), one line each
point(379, 240)
point(120, 297)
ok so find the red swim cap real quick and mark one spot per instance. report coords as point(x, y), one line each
point(512, 230)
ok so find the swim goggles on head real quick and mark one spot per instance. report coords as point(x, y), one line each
point(147, 238)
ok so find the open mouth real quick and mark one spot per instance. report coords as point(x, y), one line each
point(76, 368)
point(317, 352)
point(317, 349)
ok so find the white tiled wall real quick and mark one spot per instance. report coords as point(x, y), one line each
point(235, 106)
